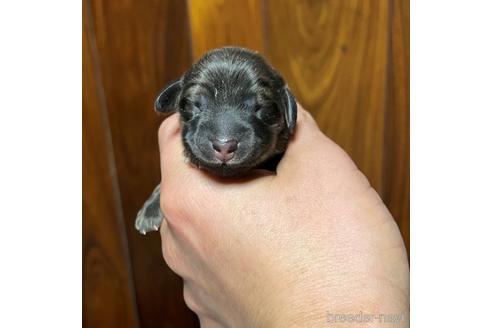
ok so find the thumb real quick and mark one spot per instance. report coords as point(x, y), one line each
point(175, 170)
point(308, 145)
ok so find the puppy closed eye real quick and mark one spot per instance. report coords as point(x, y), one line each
point(190, 108)
point(269, 114)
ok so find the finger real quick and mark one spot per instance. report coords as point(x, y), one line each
point(309, 145)
point(164, 228)
point(170, 147)
point(175, 169)
point(180, 182)
point(305, 138)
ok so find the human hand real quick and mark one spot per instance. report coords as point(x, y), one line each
point(281, 250)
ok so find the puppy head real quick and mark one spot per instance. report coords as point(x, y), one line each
point(236, 111)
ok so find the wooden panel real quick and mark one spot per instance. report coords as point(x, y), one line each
point(334, 56)
point(397, 134)
point(218, 23)
point(108, 294)
point(143, 45)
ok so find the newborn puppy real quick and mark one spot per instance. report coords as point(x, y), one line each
point(236, 114)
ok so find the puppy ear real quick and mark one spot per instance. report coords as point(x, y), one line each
point(166, 100)
point(290, 109)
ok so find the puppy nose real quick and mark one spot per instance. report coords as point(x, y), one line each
point(224, 149)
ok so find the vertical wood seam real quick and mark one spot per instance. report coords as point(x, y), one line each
point(394, 202)
point(101, 95)
point(190, 34)
point(388, 90)
point(264, 28)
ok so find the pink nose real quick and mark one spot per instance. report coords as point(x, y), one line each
point(224, 149)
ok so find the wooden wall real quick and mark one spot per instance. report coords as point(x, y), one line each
point(347, 61)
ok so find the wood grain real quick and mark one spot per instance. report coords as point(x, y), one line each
point(396, 193)
point(108, 294)
point(218, 23)
point(143, 45)
point(334, 56)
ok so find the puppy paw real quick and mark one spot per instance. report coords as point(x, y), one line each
point(150, 217)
